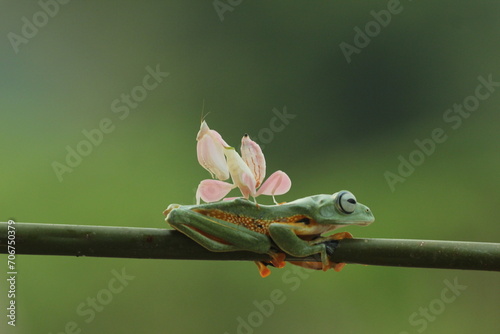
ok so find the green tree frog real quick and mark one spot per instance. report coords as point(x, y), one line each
point(294, 227)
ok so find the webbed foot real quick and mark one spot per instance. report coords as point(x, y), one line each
point(325, 263)
point(277, 260)
point(340, 236)
point(264, 271)
point(335, 265)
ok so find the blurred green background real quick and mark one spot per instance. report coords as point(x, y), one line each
point(351, 121)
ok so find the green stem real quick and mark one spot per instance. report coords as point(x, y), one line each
point(152, 243)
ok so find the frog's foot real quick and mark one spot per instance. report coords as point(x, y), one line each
point(333, 265)
point(336, 236)
point(308, 264)
point(340, 236)
point(318, 265)
point(264, 271)
point(277, 259)
point(326, 263)
point(336, 265)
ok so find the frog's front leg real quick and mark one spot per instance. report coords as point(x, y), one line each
point(215, 234)
point(284, 236)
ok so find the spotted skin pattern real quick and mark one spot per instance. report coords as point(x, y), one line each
point(256, 225)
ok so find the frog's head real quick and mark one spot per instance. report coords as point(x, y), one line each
point(341, 209)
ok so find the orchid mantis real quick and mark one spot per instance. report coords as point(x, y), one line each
point(247, 171)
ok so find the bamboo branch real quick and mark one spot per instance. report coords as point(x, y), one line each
point(152, 243)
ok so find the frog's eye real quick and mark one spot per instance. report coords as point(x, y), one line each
point(346, 202)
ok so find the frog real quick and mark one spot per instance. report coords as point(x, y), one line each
point(293, 228)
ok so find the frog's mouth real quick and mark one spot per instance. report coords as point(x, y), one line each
point(306, 226)
point(365, 223)
point(314, 230)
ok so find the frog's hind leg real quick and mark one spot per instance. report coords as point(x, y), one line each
point(210, 242)
point(215, 234)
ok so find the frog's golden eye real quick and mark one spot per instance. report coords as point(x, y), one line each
point(346, 202)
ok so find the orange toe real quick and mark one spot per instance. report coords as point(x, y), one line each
point(263, 269)
point(340, 236)
point(278, 259)
point(338, 266)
